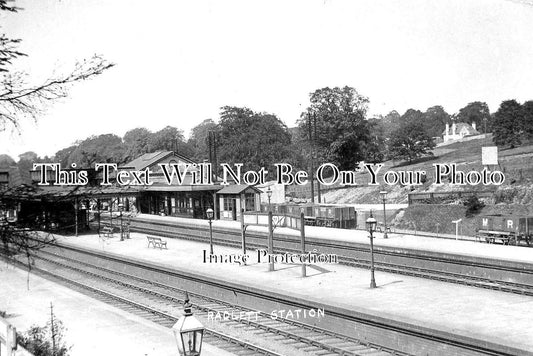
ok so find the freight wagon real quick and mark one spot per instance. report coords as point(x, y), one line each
point(507, 229)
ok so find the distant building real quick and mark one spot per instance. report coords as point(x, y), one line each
point(458, 131)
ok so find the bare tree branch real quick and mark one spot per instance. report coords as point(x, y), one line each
point(17, 100)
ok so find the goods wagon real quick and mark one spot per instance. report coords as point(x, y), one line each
point(508, 229)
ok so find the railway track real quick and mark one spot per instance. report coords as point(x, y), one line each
point(157, 302)
point(433, 274)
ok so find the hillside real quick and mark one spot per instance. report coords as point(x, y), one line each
point(516, 164)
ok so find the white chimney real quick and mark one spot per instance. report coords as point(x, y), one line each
point(474, 125)
point(447, 130)
point(453, 128)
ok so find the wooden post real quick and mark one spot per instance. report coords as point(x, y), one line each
point(270, 240)
point(76, 214)
point(302, 235)
point(243, 233)
point(98, 209)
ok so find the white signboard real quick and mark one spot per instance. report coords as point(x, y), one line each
point(489, 156)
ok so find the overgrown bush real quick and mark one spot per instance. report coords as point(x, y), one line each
point(43, 341)
point(473, 205)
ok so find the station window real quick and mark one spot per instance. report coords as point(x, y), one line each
point(228, 203)
point(250, 202)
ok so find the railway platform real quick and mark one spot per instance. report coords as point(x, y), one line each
point(92, 327)
point(487, 316)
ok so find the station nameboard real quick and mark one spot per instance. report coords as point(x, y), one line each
point(489, 156)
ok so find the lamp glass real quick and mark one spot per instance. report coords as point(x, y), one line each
point(371, 224)
point(269, 192)
point(210, 213)
point(383, 194)
point(192, 342)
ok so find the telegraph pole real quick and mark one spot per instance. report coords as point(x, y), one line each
point(312, 173)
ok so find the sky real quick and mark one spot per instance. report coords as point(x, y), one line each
point(178, 62)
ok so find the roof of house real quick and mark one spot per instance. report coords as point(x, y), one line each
point(237, 189)
point(149, 159)
point(460, 126)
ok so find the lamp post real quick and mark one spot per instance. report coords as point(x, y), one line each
point(210, 213)
point(371, 227)
point(121, 208)
point(269, 195)
point(188, 332)
point(383, 195)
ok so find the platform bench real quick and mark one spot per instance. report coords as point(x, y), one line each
point(156, 242)
point(107, 231)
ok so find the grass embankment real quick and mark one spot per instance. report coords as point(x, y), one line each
point(516, 163)
point(426, 217)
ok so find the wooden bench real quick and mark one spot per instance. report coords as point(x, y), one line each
point(107, 231)
point(156, 242)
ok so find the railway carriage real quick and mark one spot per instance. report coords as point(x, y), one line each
point(343, 217)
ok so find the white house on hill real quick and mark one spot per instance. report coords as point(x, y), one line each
point(459, 130)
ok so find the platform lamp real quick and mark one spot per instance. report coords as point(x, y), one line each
point(371, 224)
point(188, 332)
point(269, 195)
point(210, 214)
point(121, 208)
point(383, 195)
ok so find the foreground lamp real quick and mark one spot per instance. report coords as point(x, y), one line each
point(188, 332)
point(371, 224)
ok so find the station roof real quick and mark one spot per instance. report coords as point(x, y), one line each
point(237, 189)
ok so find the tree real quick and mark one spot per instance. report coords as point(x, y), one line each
point(136, 143)
point(527, 119)
point(376, 148)
point(435, 120)
point(410, 141)
point(336, 121)
point(507, 128)
point(62, 156)
point(19, 99)
point(106, 148)
point(255, 139)
point(6, 161)
point(477, 112)
point(168, 139)
point(198, 139)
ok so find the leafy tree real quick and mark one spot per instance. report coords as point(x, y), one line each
point(435, 120)
point(168, 139)
point(136, 142)
point(198, 139)
point(38, 340)
point(376, 147)
point(62, 156)
point(507, 127)
point(410, 140)
point(527, 124)
point(18, 99)
point(477, 112)
point(106, 148)
point(6, 161)
point(256, 139)
point(336, 121)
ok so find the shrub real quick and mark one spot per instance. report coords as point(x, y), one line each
point(473, 205)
